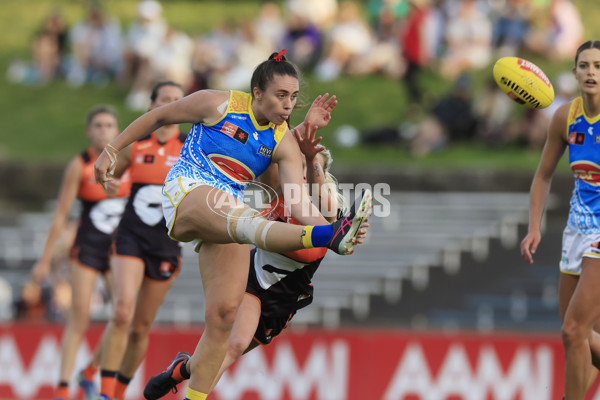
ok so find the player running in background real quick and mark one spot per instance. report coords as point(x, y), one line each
point(235, 137)
point(576, 126)
point(278, 284)
point(90, 253)
point(145, 259)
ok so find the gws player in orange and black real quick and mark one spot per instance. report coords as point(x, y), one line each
point(145, 260)
point(278, 284)
point(90, 253)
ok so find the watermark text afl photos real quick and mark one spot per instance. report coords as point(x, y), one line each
point(261, 197)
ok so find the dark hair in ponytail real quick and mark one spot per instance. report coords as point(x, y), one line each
point(590, 44)
point(264, 72)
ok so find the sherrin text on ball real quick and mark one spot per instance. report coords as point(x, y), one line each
point(524, 82)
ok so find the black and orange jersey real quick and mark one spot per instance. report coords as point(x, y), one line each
point(143, 232)
point(151, 160)
point(283, 281)
point(99, 217)
point(89, 189)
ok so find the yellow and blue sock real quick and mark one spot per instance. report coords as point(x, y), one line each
point(191, 394)
point(316, 236)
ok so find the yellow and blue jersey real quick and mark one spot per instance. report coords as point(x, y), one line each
point(231, 152)
point(583, 137)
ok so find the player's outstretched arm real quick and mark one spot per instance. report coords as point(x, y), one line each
point(540, 187)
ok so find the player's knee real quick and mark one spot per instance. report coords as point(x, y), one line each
point(244, 225)
point(236, 348)
point(139, 333)
point(221, 317)
point(123, 314)
point(572, 334)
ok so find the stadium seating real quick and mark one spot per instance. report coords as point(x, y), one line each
point(423, 230)
point(420, 232)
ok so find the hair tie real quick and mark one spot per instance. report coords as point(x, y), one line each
point(279, 56)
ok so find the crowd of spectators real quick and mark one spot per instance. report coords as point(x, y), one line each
point(395, 38)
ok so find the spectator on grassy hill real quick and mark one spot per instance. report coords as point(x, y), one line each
point(493, 109)
point(451, 119)
point(269, 25)
point(143, 35)
point(142, 40)
point(171, 60)
point(374, 8)
point(468, 40)
point(96, 46)
point(250, 52)
point(50, 47)
point(203, 63)
point(303, 40)
point(320, 13)
point(559, 31)
point(215, 53)
point(383, 56)
point(48, 51)
point(349, 41)
point(417, 37)
point(511, 25)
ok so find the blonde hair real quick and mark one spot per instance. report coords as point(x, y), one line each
point(331, 181)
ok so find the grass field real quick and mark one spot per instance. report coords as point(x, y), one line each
point(45, 124)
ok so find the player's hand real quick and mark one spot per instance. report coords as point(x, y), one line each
point(319, 113)
point(105, 165)
point(309, 146)
point(529, 245)
point(111, 187)
point(362, 232)
point(40, 271)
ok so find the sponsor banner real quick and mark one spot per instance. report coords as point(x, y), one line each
point(320, 365)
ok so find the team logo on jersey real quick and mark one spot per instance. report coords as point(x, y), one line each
point(587, 171)
point(265, 151)
point(148, 158)
point(576, 138)
point(233, 168)
point(235, 132)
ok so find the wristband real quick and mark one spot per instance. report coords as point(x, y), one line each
point(111, 152)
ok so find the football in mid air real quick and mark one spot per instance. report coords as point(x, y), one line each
point(524, 82)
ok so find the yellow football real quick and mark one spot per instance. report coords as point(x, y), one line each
point(524, 82)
